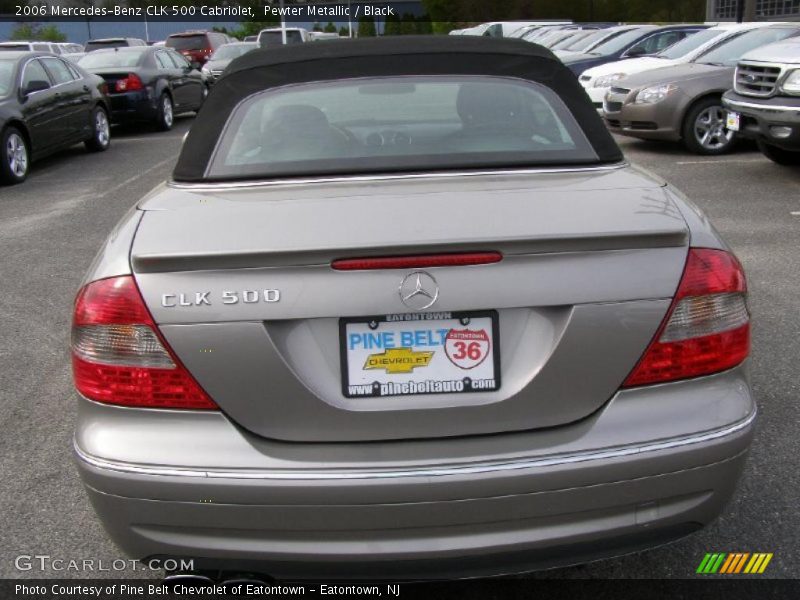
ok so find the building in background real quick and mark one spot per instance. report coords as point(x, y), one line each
point(766, 10)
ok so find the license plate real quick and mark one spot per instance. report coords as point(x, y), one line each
point(431, 353)
point(732, 121)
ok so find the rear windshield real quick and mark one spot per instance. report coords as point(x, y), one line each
point(96, 45)
point(111, 60)
point(274, 38)
point(6, 77)
point(188, 42)
point(398, 124)
point(14, 47)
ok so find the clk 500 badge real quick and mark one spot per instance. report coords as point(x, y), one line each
point(226, 297)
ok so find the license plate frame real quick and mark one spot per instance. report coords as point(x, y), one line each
point(397, 322)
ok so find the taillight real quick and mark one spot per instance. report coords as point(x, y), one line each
point(118, 356)
point(707, 328)
point(131, 83)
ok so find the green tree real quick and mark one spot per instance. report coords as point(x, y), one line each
point(392, 26)
point(252, 28)
point(424, 26)
point(316, 27)
point(24, 31)
point(366, 27)
point(344, 31)
point(330, 28)
point(51, 33)
point(33, 31)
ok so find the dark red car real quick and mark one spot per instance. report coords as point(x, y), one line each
point(197, 46)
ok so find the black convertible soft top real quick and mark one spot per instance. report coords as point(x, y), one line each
point(330, 60)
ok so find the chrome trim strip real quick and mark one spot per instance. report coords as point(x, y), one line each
point(358, 178)
point(758, 106)
point(439, 471)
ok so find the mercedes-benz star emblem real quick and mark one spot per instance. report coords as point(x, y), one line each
point(418, 290)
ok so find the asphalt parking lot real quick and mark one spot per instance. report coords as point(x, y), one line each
point(52, 225)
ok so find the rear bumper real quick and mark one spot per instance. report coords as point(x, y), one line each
point(129, 107)
point(610, 484)
point(775, 121)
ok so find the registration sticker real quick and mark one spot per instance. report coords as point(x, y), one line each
point(429, 353)
point(733, 121)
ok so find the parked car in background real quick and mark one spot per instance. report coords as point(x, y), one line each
point(197, 46)
point(223, 56)
point(508, 28)
point(316, 36)
point(594, 38)
point(579, 41)
point(532, 32)
point(764, 104)
point(147, 83)
point(566, 36)
point(70, 48)
point(273, 36)
point(684, 102)
point(642, 40)
point(73, 52)
point(598, 79)
point(556, 35)
point(250, 38)
point(21, 46)
point(115, 42)
point(454, 333)
point(47, 104)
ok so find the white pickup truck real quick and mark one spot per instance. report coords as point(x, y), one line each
point(764, 103)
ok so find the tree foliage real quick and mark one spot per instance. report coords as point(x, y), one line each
point(33, 31)
point(408, 24)
point(252, 28)
point(366, 27)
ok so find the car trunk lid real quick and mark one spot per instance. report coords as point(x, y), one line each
point(590, 260)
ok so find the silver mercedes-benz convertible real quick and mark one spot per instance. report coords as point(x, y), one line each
point(404, 311)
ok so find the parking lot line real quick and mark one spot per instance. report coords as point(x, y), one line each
point(721, 161)
point(118, 140)
point(133, 178)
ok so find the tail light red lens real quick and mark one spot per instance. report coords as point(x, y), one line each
point(418, 261)
point(707, 329)
point(118, 356)
point(131, 83)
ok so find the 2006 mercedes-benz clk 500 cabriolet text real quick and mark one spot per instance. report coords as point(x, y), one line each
point(404, 311)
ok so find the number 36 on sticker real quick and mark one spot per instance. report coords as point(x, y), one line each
point(467, 348)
